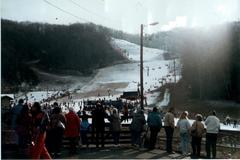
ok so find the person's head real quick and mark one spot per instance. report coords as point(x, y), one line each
point(56, 110)
point(213, 112)
point(71, 109)
point(99, 105)
point(20, 101)
point(36, 108)
point(55, 104)
point(183, 115)
point(171, 109)
point(155, 109)
point(199, 117)
point(186, 112)
point(114, 111)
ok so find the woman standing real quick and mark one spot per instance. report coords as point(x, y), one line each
point(72, 131)
point(84, 129)
point(136, 127)
point(197, 131)
point(57, 127)
point(40, 122)
point(184, 127)
point(115, 126)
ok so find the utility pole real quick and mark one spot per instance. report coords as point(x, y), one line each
point(141, 67)
point(174, 70)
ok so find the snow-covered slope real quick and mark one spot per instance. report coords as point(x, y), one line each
point(133, 50)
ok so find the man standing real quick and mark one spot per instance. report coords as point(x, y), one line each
point(212, 126)
point(169, 129)
point(16, 110)
point(98, 123)
point(155, 123)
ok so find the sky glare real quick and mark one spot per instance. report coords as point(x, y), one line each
point(126, 15)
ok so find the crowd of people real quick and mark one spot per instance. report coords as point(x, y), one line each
point(40, 129)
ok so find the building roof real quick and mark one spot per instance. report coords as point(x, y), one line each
point(11, 96)
point(131, 95)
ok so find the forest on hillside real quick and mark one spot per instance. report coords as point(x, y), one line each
point(52, 48)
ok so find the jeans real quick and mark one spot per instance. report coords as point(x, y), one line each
point(116, 136)
point(169, 134)
point(211, 141)
point(99, 135)
point(184, 137)
point(136, 137)
point(84, 137)
point(55, 140)
point(153, 136)
point(73, 141)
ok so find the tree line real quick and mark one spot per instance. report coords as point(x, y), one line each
point(53, 48)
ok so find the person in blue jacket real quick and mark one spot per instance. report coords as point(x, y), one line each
point(154, 121)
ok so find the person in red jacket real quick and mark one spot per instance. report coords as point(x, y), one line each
point(40, 123)
point(72, 131)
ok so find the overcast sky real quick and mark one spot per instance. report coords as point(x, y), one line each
point(126, 15)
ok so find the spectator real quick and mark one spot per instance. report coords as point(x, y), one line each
point(72, 131)
point(184, 127)
point(212, 126)
point(16, 110)
point(57, 127)
point(125, 112)
point(40, 122)
point(84, 129)
point(197, 136)
point(227, 120)
point(115, 126)
point(155, 123)
point(169, 129)
point(23, 129)
point(136, 127)
point(234, 123)
point(98, 123)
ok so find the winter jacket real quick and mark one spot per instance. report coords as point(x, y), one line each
point(138, 122)
point(213, 124)
point(24, 124)
point(16, 110)
point(183, 125)
point(98, 116)
point(169, 120)
point(55, 118)
point(115, 123)
point(72, 125)
point(199, 128)
point(154, 120)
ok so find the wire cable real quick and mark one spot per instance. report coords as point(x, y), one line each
point(65, 11)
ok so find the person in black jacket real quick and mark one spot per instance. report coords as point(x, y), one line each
point(98, 116)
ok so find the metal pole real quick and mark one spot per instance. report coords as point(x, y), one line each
point(174, 69)
point(141, 67)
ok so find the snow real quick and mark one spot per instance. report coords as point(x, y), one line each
point(155, 68)
point(8, 95)
point(37, 96)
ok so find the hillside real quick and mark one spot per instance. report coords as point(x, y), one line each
point(80, 48)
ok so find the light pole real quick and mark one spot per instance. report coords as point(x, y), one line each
point(141, 63)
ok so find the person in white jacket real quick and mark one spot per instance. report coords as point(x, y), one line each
point(212, 128)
